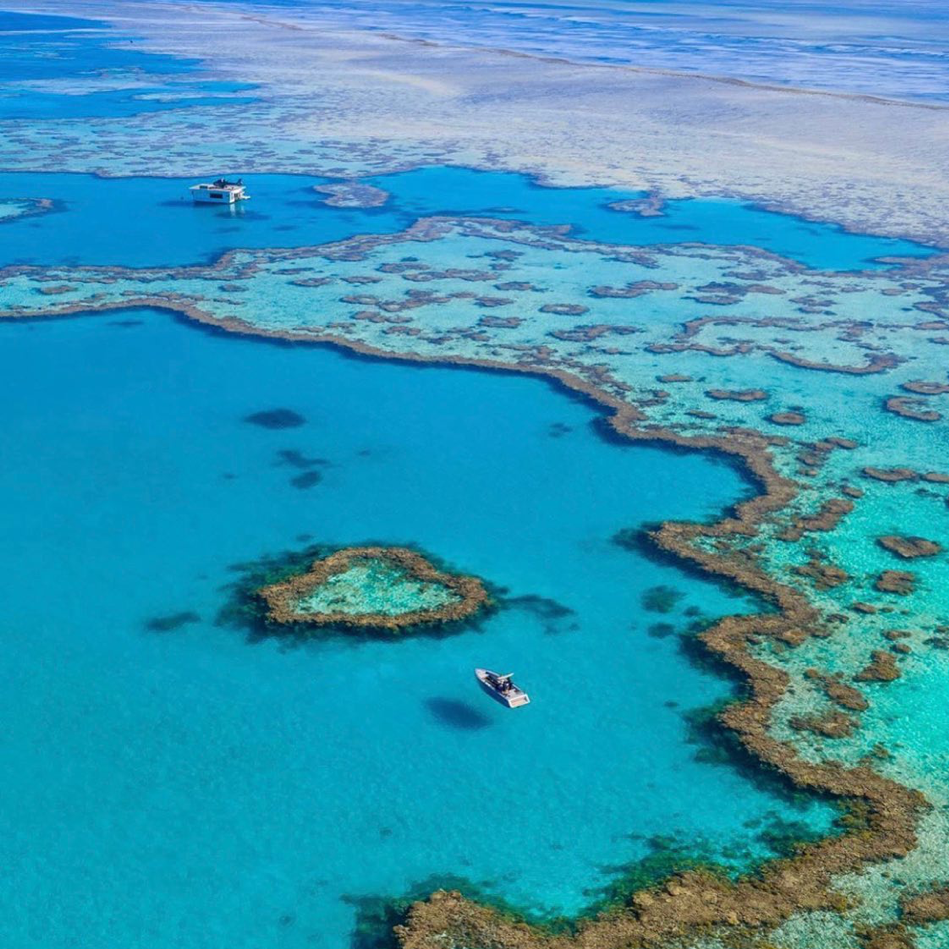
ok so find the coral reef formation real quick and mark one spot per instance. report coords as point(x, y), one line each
point(908, 548)
point(378, 588)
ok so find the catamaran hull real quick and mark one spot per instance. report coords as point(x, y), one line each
point(208, 198)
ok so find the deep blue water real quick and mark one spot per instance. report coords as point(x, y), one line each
point(109, 104)
point(192, 789)
point(151, 221)
point(38, 46)
point(71, 50)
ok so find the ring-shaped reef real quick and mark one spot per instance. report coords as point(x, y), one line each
point(388, 589)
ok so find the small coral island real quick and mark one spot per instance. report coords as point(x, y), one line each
point(373, 588)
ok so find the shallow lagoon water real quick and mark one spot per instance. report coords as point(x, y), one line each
point(141, 222)
point(192, 788)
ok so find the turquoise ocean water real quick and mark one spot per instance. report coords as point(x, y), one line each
point(190, 788)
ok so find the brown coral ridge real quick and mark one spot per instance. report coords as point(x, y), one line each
point(787, 418)
point(825, 576)
point(881, 668)
point(900, 582)
point(631, 290)
point(846, 696)
point(908, 548)
point(879, 362)
point(886, 937)
point(826, 519)
point(831, 725)
point(911, 408)
point(924, 908)
point(891, 475)
point(695, 901)
point(281, 598)
point(739, 395)
point(918, 387)
point(848, 444)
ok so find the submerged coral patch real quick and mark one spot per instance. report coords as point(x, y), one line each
point(383, 588)
point(12, 209)
point(293, 458)
point(276, 418)
point(787, 418)
point(661, 599)
point(742, 395)
point(167, 624)
point(308, 479)
point(352, 194)
point(457, 714)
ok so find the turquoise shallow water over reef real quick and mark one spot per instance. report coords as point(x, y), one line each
point(142, 222)
point(172, 782)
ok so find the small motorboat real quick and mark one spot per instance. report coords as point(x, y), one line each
point(502, 688)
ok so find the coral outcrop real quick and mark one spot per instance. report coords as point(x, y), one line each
point(908, 548)
point(901, 582)
point(377, 588)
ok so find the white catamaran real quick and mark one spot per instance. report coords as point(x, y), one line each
point(220, 191)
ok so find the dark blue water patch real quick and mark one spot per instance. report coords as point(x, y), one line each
point(306, 480)
point(113, 103)
point(276, 418)
point(50, 47)
point(457, 714)
point(172, 622)
point(14, 22)
point(294, 458)
point(141, 222)
point(63, 48)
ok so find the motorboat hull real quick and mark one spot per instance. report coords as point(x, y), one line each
point(512, 698)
